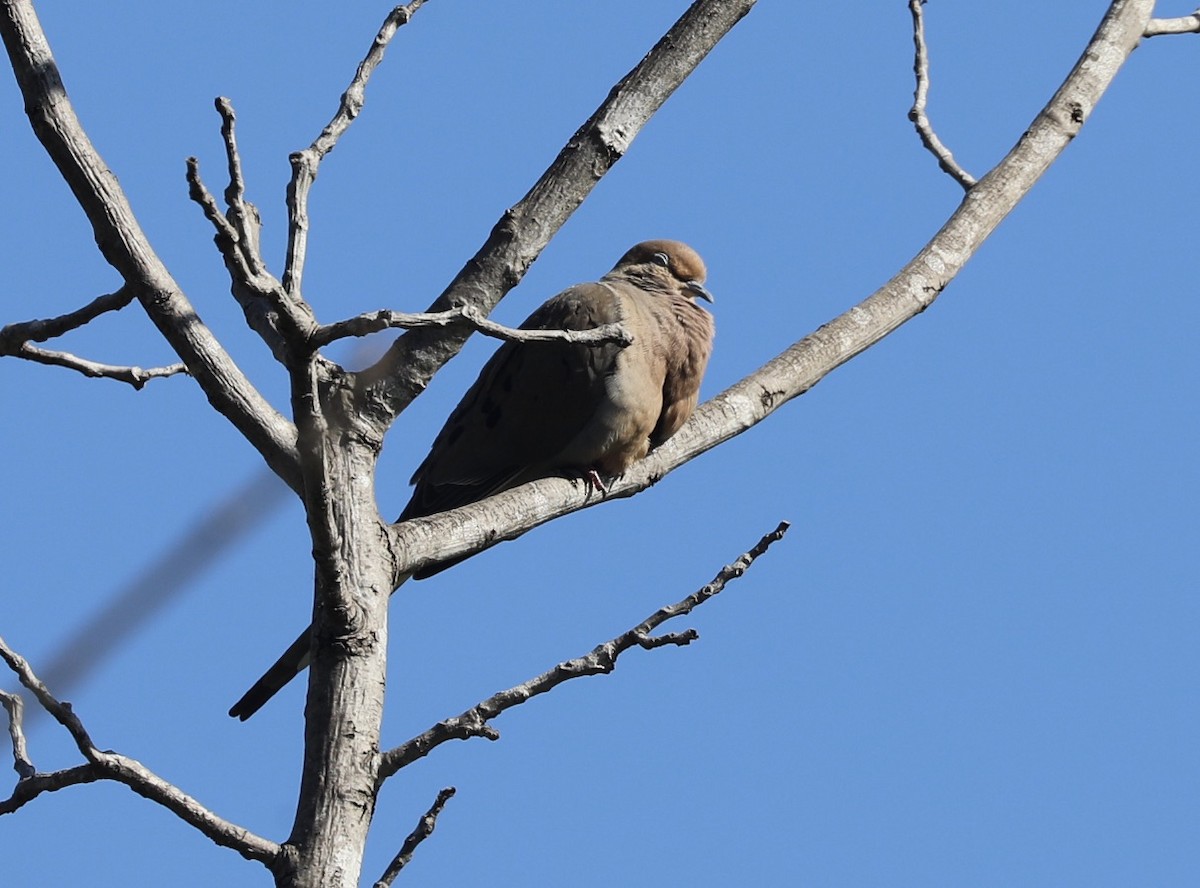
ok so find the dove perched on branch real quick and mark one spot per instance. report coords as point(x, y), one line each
point(545, 408)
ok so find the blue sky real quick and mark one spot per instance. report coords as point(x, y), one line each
point(972, 661)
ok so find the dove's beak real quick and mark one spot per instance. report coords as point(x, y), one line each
point(698, 290)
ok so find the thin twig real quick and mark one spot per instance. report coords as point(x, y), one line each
point(16, 339)
point(15, 706)
point(242, 214)
point(465, 316)
point(12, 335)
point(62, 712)
point(601, 661)
point(917, 115)
point(227, 235)
point(424, 829)
point(135, 775)
point(1185, 24)
point(33, 786)
point(135, 376)
point(305, 162)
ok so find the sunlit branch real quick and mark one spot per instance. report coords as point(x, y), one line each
point(305, 162)
point(12, 335)
point(15, 707)
point(243, 215)
point(124, 245)
point(917, 114)
point(1185, 24)
point(506, 516)
point(135, 376)
point(465, 316)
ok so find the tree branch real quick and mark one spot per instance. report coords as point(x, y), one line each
point(1185, 24)
point(15, 706)
point(917, 115)
point(347, 674)
point(524, 230)
point(423, 830)
point(227, 236)
point(243, 215)
point(135, 376)
point(125, 247)
point(13, 335)
point(112, 766)
point(601, 661)
point(29, 788)
point(305, 163)
point(459, 532)
point(464, 316)
point(285, 324)
point(15, 341)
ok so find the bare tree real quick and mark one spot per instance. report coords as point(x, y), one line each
point(326, 445)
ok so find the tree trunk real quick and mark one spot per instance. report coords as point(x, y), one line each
point(347, 676)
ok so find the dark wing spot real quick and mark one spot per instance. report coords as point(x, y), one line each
point(491, 412)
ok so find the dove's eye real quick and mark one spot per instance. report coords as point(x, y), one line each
point(662, 259)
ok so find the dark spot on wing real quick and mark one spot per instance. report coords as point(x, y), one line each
point(491, 412)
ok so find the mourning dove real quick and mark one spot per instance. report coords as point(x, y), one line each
point(546, 408)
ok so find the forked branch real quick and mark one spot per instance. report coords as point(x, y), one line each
point(285, 323)
point(16, 340)
point(104, 765)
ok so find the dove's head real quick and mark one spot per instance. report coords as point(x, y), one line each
point(665, 265)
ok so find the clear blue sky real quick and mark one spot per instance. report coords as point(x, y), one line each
point(974, 659)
